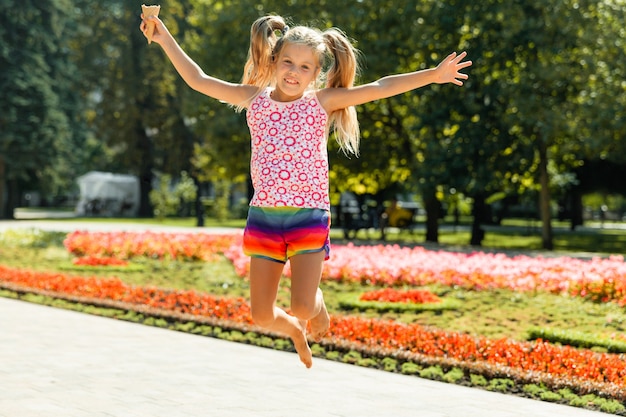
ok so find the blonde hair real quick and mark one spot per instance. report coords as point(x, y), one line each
point(338, 61)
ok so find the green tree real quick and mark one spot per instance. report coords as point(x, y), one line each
point(544, 88)
point(131, 93)
point(168, 198)
point(39, 116)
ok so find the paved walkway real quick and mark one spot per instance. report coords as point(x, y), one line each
point(58, 363)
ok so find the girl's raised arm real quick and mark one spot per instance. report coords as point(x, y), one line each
point(446, 72)
point(231, 93)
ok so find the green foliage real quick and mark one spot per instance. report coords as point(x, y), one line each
point(88, 92)
point(410, 368)
point(367, 363)
point(167, 199)
point(41, 127)
point(454, 375)
point(265, 341)
point(212, 169)
point(577, 339)
point(68, 266)
point(351, 357)
point(352, 302)
point(389, 364)
point(500, 384)
point(542, 393)
point(432, 372)
point(318, 350)
point(283, 344)
point(31, 238)
point(609, 406)
point(186, 327)
point(550, 396)
point(478, 380)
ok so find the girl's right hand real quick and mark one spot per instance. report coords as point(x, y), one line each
point(159, 28)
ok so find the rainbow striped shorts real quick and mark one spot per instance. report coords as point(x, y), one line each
point(278, 233)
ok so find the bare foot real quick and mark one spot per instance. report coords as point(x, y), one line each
point(321, 322)
point(301, 344)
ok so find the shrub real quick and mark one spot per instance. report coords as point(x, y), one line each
point(500, 384)
point(432, 372)
point(389, 364)
point(454, 375)
point(353, 303)
point(368, 363)
point(167, 199)
point(577, 339)
point(478, 380)
point(550, 396)
point(410, 368)
point(333, 355)
point(533, 389)
point(351, 357)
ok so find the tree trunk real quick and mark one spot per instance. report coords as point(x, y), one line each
point(479, 212)
point(198, 202)
point(576, 203)
point(13, 198)
point(433, 210)
point(145, 172)
point(544, 197)
point(3, 211)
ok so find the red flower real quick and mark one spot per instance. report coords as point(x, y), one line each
point(99, 261)
point(395, 296)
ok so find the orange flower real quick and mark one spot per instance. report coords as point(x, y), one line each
point(99, 261)
point(392, 295)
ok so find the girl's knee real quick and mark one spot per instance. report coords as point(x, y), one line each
point(304, 310)
point(263, 318)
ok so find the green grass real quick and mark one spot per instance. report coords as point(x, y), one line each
point(511, 236)
point(170, 221)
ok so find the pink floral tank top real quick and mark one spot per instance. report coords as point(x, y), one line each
point(289, 162)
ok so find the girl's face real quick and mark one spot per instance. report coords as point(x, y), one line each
point(296, 68)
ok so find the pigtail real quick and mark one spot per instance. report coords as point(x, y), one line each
point(342, 72)
point(257, 70)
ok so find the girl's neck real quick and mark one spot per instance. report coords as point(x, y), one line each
point(281, 97)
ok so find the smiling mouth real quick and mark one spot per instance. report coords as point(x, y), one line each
point(291, 81)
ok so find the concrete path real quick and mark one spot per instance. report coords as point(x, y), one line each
point(57, 363)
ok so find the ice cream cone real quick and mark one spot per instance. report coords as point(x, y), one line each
point(147, 12)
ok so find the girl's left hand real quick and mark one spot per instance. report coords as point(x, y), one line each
point(448, 70)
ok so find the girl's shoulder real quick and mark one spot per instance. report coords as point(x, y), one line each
point(323, 95)
point(259, 95)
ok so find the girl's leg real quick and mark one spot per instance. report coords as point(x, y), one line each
point(264, 279)
point(307, 300)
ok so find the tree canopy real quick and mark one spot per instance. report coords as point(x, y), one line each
point(82, 89)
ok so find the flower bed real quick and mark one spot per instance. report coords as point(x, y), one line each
point(187, 302)
point(545, 362)
point(98, 261)
point(392, 295)
point(127, 245)
point(601, 280)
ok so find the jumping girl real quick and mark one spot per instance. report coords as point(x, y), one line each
point(298, 85)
